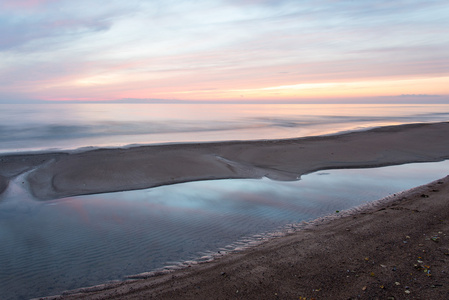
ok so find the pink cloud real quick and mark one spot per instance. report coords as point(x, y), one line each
point(24, 4)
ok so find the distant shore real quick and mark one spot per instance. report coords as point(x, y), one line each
point(56, 175)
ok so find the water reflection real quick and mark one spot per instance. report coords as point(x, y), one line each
point(49, 247)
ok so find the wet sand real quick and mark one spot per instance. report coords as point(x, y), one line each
point(56, 175)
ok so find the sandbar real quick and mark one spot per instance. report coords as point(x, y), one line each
point(56, 175)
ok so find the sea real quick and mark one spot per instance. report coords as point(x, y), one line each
point(48, 247)
point(49, 127)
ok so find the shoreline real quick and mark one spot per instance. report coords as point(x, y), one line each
point(393, 247)
point(56, 175)
point(74, 150)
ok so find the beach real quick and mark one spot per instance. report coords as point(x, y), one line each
point(396, 248)
point(224, 149)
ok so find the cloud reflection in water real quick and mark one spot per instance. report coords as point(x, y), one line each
point(49, 247)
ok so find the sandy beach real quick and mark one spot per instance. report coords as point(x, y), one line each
point(397, 248)
point(224, 149)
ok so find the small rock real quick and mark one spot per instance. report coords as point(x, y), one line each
point(436, 239)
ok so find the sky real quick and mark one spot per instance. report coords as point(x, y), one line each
point(228, 50)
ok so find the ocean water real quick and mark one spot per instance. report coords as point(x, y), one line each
point(40, 127)
point(47, 247)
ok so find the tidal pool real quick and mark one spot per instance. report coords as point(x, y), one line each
point(47, 247)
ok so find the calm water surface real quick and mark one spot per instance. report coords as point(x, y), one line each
point(71, 126)
point(47, 247)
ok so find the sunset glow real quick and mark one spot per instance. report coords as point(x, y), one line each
point(223, 50)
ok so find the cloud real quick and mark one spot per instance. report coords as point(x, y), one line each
point(419, 95)
point(24, 4)
point(16, 34)
point(39, 24)
point(131, 49)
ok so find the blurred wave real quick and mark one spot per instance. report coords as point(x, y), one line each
point(71, 126)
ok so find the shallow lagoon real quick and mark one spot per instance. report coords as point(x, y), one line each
point(49, 247)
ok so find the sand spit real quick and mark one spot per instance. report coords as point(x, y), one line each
point(55, 175)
